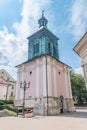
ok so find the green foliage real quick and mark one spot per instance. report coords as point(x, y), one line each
point(1, 103)
point(10, 112)
point(7, 101)
point(6, 104)
point(1, 107)
point(9, 108)
point(20, 110)
point(79, 91)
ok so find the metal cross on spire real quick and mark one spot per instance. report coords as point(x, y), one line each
point(42, 13)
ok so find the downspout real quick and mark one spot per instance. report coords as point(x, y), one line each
point(46, 85)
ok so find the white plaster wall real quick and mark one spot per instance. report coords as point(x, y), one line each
point(3, 92)
point(37, 87)
point(44, 77)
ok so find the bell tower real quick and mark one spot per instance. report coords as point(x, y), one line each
point(49, 92)
point(42, 42)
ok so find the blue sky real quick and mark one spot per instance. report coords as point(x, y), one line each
point(67, 19)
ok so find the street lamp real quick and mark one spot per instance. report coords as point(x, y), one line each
point(24, 86)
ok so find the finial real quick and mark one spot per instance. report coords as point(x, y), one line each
point(42, 13)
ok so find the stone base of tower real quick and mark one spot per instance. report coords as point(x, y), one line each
point(52, 106)
point(48, 106)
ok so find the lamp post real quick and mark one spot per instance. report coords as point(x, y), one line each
point(24, 86)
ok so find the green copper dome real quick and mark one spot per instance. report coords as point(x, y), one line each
point(43, 41)
point(42, 21)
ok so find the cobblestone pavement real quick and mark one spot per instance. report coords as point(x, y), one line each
point(67, 121)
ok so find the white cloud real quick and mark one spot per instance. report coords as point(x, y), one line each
point(12, 51)
point(20, 1)
point(78, 18)
point(79, 71)
point(30, 13)
point(13, 47)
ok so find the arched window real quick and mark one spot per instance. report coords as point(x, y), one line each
point(36, 48)
point(49, 48)
point(54, 52)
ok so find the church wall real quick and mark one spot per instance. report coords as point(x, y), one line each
point(37, 79)
point(33, 78)
point(69, 83)
point(37, 92)
point(58, 80)
point(49, 85)
point(44, 78)
point(17, 86)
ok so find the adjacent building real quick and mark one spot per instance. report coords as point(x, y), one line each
point(81, 50)
point(3, 89)
point(49, 91)
point(11, 87)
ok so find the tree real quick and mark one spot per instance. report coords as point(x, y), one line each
point(79, 91)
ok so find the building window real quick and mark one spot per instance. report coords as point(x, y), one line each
point(8, 79)
point(49, 48)
point(36, 48)
point(12, 94)
point(54, 51)
point(12, 86)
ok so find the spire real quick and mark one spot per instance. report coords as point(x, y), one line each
point(42, 21)
point(42, 13)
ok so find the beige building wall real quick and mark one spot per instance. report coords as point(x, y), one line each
point(81, 50)
point(11, 89)
point(3, 89)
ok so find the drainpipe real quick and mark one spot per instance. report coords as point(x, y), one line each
point(47, 85)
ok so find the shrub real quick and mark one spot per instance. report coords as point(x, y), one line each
point(7, 101)
point(10, 112)
point(20, 110)
point(9, 108)
point(1, 103)
point(1, 107)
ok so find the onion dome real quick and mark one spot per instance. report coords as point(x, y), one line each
point(42, 21)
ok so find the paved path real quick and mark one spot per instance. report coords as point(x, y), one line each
point(80, 113)
point(4, 114)
point(67, 121)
